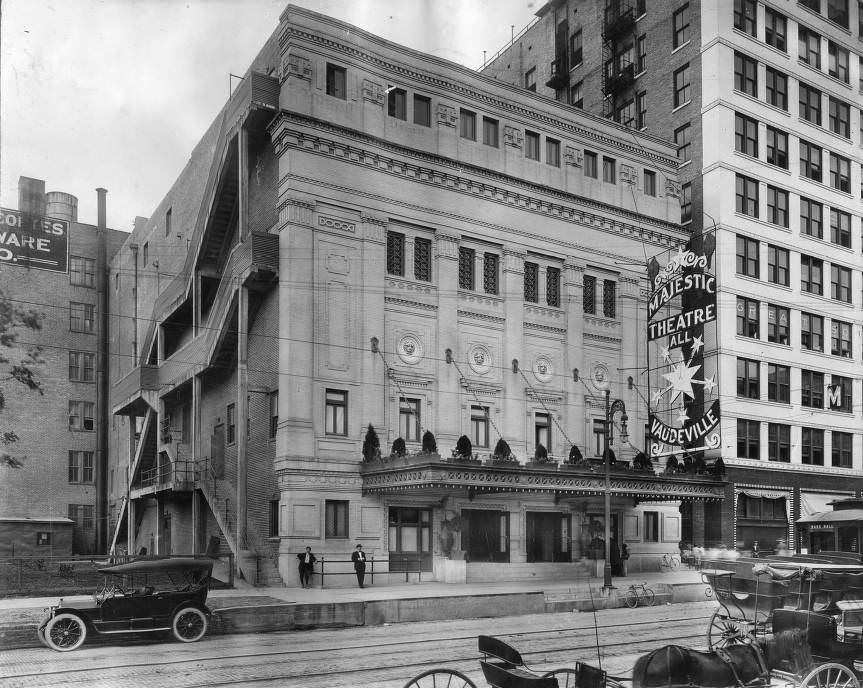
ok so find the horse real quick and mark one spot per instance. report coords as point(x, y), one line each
point(747, 664)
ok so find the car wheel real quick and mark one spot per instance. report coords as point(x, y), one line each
point(189, 624)
point(65, 632)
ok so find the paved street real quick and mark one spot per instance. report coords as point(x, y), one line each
point(375, 657)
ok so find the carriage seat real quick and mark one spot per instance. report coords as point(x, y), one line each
point(506, 656)
point(820, 633)
point(499, 676)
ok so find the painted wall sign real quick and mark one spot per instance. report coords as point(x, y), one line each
point(33, 241)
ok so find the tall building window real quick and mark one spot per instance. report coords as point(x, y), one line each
point(840, 283)
point(641, 54)
point(82, 317)
point(552, 152)
point(748, 379)
point(840, 339)
point(775, 29)
point(840, 228)
point(747, 317)
point(609, 298)
point(531, 145)
point(840, 393)
point(748, 439)
point(838, 61)
point(777, 206)
point(744, 16)
point(575, 49)
point(651, 526)
point(778, 324)
point(168, 215)
point(649, 183)
point(82, 416)
point(837, 12)
point(409, 419)
point(479, 425)
point(745, 135)
point(746, 74)
point(274, 414)
point(81, 467)
point(811, 332)
point(840, 173)
point(779, 442)
point(777, 88)
point(576, 94)
point(810, 103)
point(747, 257)
point(273, 520)
point(336, 81)
point(683, 141)
point(395, 253)
point(686, 203)
point(466, 262)
point(588, 295)
point(422, 110)
point(590, 164)
point(809, 47)
point(641, 109)
point(397, 103)
point(777, 147)
point(531, 282)
point(231, 423)
point(811, 214)
point(530, 79)
point(841, 452)
point(552, 287)
point(681, 86)
point(811, 275)
point(810, 160)
point(336, 412)
point(609, 173)
point(811, 389)
point(812, 447)
point(82, 366)
point(82, 515)
point(490, 132)
point(840, 117)
point(336, 519)
point(778, 383)
point(82, 271)
point(467, 124)
point(777, 265)
point(422, 259)
point(542, 430)
point(747, 196)
point(680, 26)
point(490, 273)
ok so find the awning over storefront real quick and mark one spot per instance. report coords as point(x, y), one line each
point(815, 502)
point(843, 516)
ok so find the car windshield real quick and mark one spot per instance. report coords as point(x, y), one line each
point(853, 618)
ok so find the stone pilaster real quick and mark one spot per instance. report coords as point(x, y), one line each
point(573, 303)
point(374, 374)
point(448, 422)
point(512, 403)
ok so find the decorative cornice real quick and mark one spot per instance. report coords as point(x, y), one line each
point(480, 388)
point(336, 223)
point(545, 396)
point(297, 211)
point(409, 285)
point(481, 316)
point(294, 65)
point(407, 381)
point(602, 338)
point(542, 311)
point(409, 304)
point(557, 331)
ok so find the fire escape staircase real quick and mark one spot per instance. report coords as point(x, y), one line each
point(618, 40)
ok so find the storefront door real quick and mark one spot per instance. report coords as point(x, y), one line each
point(548, 537)
point(410, 539)
point(485, 535)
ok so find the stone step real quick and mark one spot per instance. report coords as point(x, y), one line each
point(540, 571)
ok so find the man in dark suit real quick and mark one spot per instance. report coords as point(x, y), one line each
point(359, 559)
point(307, 566)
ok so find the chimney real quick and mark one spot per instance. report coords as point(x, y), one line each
point(140, 223)
point(61, 205)
point(101, 221)
point(31, 196)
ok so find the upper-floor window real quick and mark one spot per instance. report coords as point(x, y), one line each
point(778, 383)
point(748, 378)
point(837, 12)
point(146, 253)
point(82, 271)
point(336, 81)
point(840, 393)
point(777, 265)
point(683, 141)
point(82, 317)
point(490, 132)
point(775, 29)
point(422, 259)
point(81, 467)
point(590, 164)
point(467, 124)
point(747, 317)
point(686, 203)
point(479, 421)
point(841, 452)
point(531, 282)
point(422, 110)
point(576, 94)
point(811, 332)
point(552, 152)
point(777, 88)
point(840, 117)
point(814, 5)
point(409, 419)
point(274, 413)
point(680, 26)
point(745, 135)
point(609, 298)
point(810, 160)
point(397, 103)
point(777, 147)
point(681, 86)
point(168, 215)
point(531, 145)
point(810, 103)
point(641, 109)
point(779, 442)
point(811, 274)
point(746, 74)
point(809, 47)
point(231, 423)
point(649, 183)
point(838, 62)
point(744, 16)
point(395, 253)
point(777, 206)
point(82, 366)
point(840, 283)
point(552, 286)
point(588, 295)
point(82, 416)
point(778, 324)
point(840, 228)
point(747, 195)
point(812, 446)
point(747, 257)
point(840, 173)
point(608, 170)
point(490, 273)
point(640, 54)
point(811, 389)
point(575, 49)
point(811, 214)
point(840, 339)
point(748, 439)
point(336, 412)
point(542, 430)
point(466, 261)
point(530, 79)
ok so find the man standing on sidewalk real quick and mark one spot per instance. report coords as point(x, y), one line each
point(359, 559)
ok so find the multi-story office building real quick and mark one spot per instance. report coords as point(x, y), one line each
point(762, 100)
point(368, 235)
point(55, 266)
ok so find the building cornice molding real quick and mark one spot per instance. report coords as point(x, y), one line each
point(393, 301)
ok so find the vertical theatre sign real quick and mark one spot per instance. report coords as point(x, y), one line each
point(33, 241)
point(684, 400)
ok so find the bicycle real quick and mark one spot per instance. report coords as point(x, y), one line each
point(669, 562)
point(637, 593)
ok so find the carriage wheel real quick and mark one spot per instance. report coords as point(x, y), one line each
point(830, 676)
point(440, 678)
point(724, 631)
point(566, 678)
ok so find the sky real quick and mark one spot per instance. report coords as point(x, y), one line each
point(116, 93)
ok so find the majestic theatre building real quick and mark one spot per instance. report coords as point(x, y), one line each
point(368, 235)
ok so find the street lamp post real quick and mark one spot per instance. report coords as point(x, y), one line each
point(610, 409)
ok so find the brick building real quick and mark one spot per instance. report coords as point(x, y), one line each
point(54, 503)
point(762, 100)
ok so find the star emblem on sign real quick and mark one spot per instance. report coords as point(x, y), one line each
point(680, 379)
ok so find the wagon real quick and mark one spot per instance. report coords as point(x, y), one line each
point(137, 597)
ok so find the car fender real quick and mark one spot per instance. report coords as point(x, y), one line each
point(192, 603)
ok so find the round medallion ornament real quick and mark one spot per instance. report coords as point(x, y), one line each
point(599, 376)
point(542, 369)
point(479, 359)
point(410, 349)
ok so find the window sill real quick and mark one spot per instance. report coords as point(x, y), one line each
point(681, 106)
point(827, 187)
point(684, 164)
point(846, 140)
point(774, 49)
point(681, 47)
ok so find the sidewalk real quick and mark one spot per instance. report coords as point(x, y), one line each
point(247, 609)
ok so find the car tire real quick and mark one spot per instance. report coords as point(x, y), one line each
point(65, 632)
point(189, 625)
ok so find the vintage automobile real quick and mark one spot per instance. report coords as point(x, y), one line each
point(141, 596)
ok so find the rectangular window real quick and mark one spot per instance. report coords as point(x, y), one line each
point(609, 298)
point(810, 160)
point(552, 287)
point(641, 109)
point(777, 147)
point(80, 467)
point(467, 124)
point(575, 49)
point(274, 414)
point(746, 135)
point(531, 282)
point(542, 430)
point(609, 174)
point(576, 94)
point(841, 451)
point(748, 439)
point(811, 218)
point(422, 259)
point(395, 253)
point(840, 283)
point(273, 520)
point(681, 86)
point(777, 206)
point(837, 12)
point(490, 273)
point(336, 517)
point(811, 332)
point(810, 103)
point(777, 265)
point(82, 271)
point(479, 425)
point(588, 295)
point(812, 447)
point(409, 419)
point(838, 61)
point(640, 54)
point(397, 103)
point(840, 117)
point(840, 173)
point(779, 383)
point(336, 412)
point(530, 79)
point(82, 416)
point(651, 526)
point(43, 538)
point(683, 141)
point(82, 366)
point(777, 88)
point(552, 152)
point(649, 183)
point(231, 424)
point(778, 442)
point(625, 114)
point(590, 164)
point(466, 261)
point(82, 317)
point(422, 110)
point(747, 317)
point(748, 380)
point(747, 257)
point(811, 275)
point(775, 29)
point(840, 393)
point(744, 16)
point(745, 74)
point(531, 145)
point(809, 47)
point(168, 214)
point(336, 81)
point(490, 132)
point(840, 228)
point(686, 203)
point(778, 324)
point(747, 196)
point(840, 339)
point(680, 26)
point(146, 254)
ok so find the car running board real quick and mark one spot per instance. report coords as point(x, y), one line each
point(134, 630)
